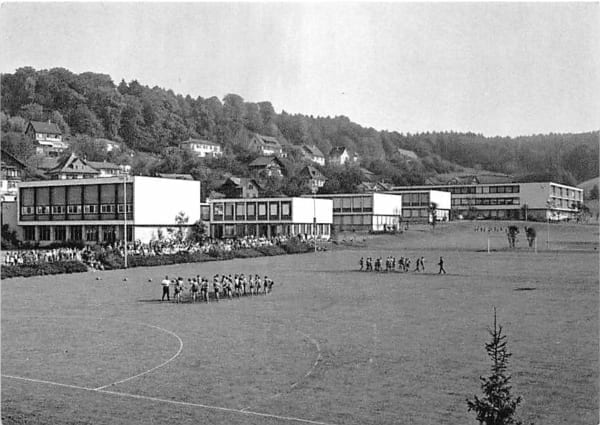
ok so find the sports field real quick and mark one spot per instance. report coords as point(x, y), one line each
point(330, 345)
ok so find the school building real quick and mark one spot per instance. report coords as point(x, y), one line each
point(513, 201)
point(417, 205)
point(269, 217)
point(99, 210)
point(365, 211)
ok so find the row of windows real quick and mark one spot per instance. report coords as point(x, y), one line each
point(355, 210)
point(59, 233)
point(75, 209)
point(567, 193)
point(485, 201)
point(480, 189)
point(252, 210)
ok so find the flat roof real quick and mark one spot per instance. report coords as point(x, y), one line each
point(287, 198)
point(94, 180)
point(433, 186)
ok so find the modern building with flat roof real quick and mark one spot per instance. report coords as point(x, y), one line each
point(512, 201)
point(365, 211)
point(235, 217)
point(98, 210)
point(417, 205)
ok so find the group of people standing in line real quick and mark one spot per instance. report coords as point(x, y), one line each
point(403, 264)
point(222, 286)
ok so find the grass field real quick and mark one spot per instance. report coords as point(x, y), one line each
point(330, 345)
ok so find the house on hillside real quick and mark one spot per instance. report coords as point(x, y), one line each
point(370, 187)
point(47, 137)
point(240, 187)
point(202, 148)
point(469, 179)
point(11, 174)
point(72, 167)
point(340, 155)
point(314, 154)
point(110, 145)
point(267, 166)
point(266, 145)
point(108, 169)
point(315, 178)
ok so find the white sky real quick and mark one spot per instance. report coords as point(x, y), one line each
point(498, 69)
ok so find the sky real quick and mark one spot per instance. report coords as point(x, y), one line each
point(494, 68)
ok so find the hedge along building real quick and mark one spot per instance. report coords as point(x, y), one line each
point(365, 211)
point(418, 205)
point(99, 210)
point(517, 201)
point(269, 217)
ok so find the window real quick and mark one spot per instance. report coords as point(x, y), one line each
point(12, 184)
point(91, 233)
point(493, 189)
point(107, 208)
point(229, 211)
point(262, 210)
point(76, 233)
point(121, 208)
point(74, 209)
point(205, 212)
point(44, 233)
point(27, 211)
point(251, 210)
point(90, 209)
point(286, 210)
point(239, 210)
point(29, 233)
point(42, 210)
point(274, 210)
point(60, 233)
point(218, 211)
point(500, 189)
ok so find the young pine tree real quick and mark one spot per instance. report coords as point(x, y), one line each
point(497, 406)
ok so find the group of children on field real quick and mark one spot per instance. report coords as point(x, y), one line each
point(222, 286)
point(403, 264)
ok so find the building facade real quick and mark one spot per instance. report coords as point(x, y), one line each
point(314, 154)
point(11, 171)
point(47, 137)
point(511, 201)
point(271, 217)
point(240, 187)
point(266, 145)
point(417, 205)
point(365, 211)
point(95, 211)
point(202, 148)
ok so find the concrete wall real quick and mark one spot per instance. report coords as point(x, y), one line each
point(303, 210)
point(386, 204)
point(442, 199)
point(10, 216)
point(158, 201)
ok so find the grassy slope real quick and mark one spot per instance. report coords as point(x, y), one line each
point(394, 348)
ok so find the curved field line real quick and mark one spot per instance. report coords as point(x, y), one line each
point(180, 403)
point(173, 357)
point(155, 367)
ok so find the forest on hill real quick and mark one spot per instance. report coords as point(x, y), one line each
point(151, 121)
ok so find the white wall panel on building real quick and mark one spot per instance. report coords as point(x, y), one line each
point(303, 210)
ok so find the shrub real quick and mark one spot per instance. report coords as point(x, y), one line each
point(43, 268)
point(247, 253)
point(270, 250)
point(293, 246)
point(220, 254)
point(161, 260)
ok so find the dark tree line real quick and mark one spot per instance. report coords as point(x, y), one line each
point(153, 120)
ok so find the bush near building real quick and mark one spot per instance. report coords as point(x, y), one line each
point(58, 267)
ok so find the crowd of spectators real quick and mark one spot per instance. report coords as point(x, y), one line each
point(90, 255)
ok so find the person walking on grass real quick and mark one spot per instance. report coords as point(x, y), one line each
point(361, 262)
point(441, 264)
point(165, 288)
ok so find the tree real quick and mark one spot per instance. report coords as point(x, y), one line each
point(497, 406)
point(433, 213)
point(181, 219)
point(594, 192)
point(197, 232)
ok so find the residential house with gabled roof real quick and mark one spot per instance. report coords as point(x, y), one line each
point(47, 137)
point(11, 171)
point(108, 169)
point(202, 148)
point(314, 154)
point(267, 166)
point(315, 178)
point(72, 167)
point(266, 145)
point(240, 187)
point(340, 155)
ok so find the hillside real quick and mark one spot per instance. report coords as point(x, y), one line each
point(151, 121)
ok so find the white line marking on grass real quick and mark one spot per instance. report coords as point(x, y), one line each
point(180, 403)
point(319, 357)
point(155, 367)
